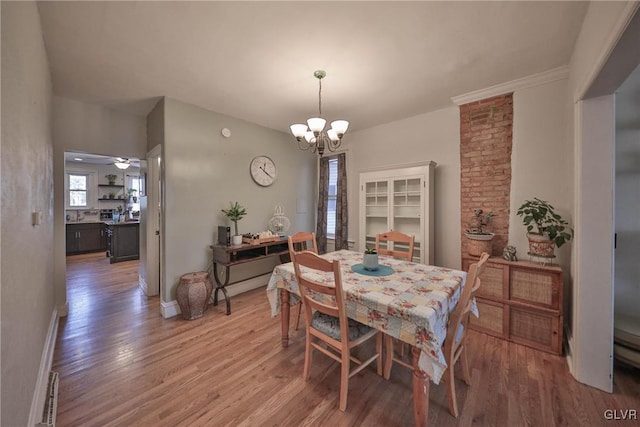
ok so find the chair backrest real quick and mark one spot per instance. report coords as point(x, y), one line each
point(395, 237)
point(302, 241)
point(334, 304)
point(460, 315)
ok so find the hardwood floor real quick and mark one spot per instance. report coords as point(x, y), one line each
point(122, 364)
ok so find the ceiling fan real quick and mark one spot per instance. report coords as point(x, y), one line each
point(122, 163)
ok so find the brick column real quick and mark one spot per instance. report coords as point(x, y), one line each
point(486, 130)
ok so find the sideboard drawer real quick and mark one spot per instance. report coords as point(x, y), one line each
point(535, 329)
point(492, 279)
point(541, 288)
point(492, 318)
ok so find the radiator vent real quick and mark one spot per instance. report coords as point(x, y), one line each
point(50, 402)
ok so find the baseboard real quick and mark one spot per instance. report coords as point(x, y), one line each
point(40, 392)
point(63, 309)
point(142, 284)
point(568, 348)
point(247, 285)
point(171, 308)
point(144, 287)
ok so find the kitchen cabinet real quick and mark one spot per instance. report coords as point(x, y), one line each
point(123, 241)
point(402, 200)
point(520, 302)
point(88, 237)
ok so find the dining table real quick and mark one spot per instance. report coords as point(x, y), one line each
point(408, 301)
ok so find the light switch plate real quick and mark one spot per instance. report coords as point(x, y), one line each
point(36, 218)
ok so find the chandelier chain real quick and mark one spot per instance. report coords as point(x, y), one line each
point(320, 98)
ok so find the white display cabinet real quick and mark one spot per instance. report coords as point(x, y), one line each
point(399, 199)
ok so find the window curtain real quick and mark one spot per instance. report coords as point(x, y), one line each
point(323, 196)
point(342, 213)
point(342, 216)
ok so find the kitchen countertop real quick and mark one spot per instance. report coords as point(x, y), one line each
point(121, 223)
point(103, 222)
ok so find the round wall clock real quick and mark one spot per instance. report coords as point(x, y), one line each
point(263, 170)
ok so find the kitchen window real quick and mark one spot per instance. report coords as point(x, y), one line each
point(134, 182)
point(78, 190)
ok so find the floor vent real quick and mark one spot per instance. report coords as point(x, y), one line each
point(51, 401)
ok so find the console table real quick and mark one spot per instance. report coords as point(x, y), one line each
point(226, 256)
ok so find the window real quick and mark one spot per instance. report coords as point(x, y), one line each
point(332, 197)
point(135, 183)
point(78, 189)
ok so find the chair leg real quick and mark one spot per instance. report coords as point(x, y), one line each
point(299, 313)
point(451, 392)
point(344, 378)
point(307, 357)
point(379, 351)
point(465, 366)
point(388, 344)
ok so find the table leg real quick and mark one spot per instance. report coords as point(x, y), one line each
point(285, 308)
point(221, 287)
point(421, 383)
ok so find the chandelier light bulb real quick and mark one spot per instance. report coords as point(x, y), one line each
point(332, 134)
point(316, 124)
point(340, 126)
point(310, 137)
point(298, 130)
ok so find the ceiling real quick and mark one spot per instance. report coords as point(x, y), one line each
point(95, 159)
point(255, 60)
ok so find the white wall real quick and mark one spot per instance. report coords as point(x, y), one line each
point(27, 177)
point(627, 198)
point(93, 129)
point(203, 172)
point(541, 160)
point(433, 136)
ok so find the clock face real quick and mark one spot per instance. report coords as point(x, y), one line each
point(263, 170)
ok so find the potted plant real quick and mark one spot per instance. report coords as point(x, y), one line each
point(478, 233)
point(111, 178)
point(131, 193)
point(545, 228)
point(235, 213)
point(370, 259)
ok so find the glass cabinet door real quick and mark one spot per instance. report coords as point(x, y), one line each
point(407, 208)
point(376, 210)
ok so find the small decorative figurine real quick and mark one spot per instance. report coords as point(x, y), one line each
point(509, 253)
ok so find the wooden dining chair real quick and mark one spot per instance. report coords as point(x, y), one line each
point(395, 237)
point(302, 241)
point(298, 242)
point(327, 321)
point(454, 347)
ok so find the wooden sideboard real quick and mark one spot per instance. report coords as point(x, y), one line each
point(521, 302)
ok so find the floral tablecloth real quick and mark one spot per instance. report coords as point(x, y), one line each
point(412, 304)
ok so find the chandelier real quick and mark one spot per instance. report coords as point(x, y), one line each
point(312, 135)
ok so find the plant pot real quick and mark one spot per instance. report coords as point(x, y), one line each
point(541, 246)
point(370, 261)
point(479, 243)
point(236, 240)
